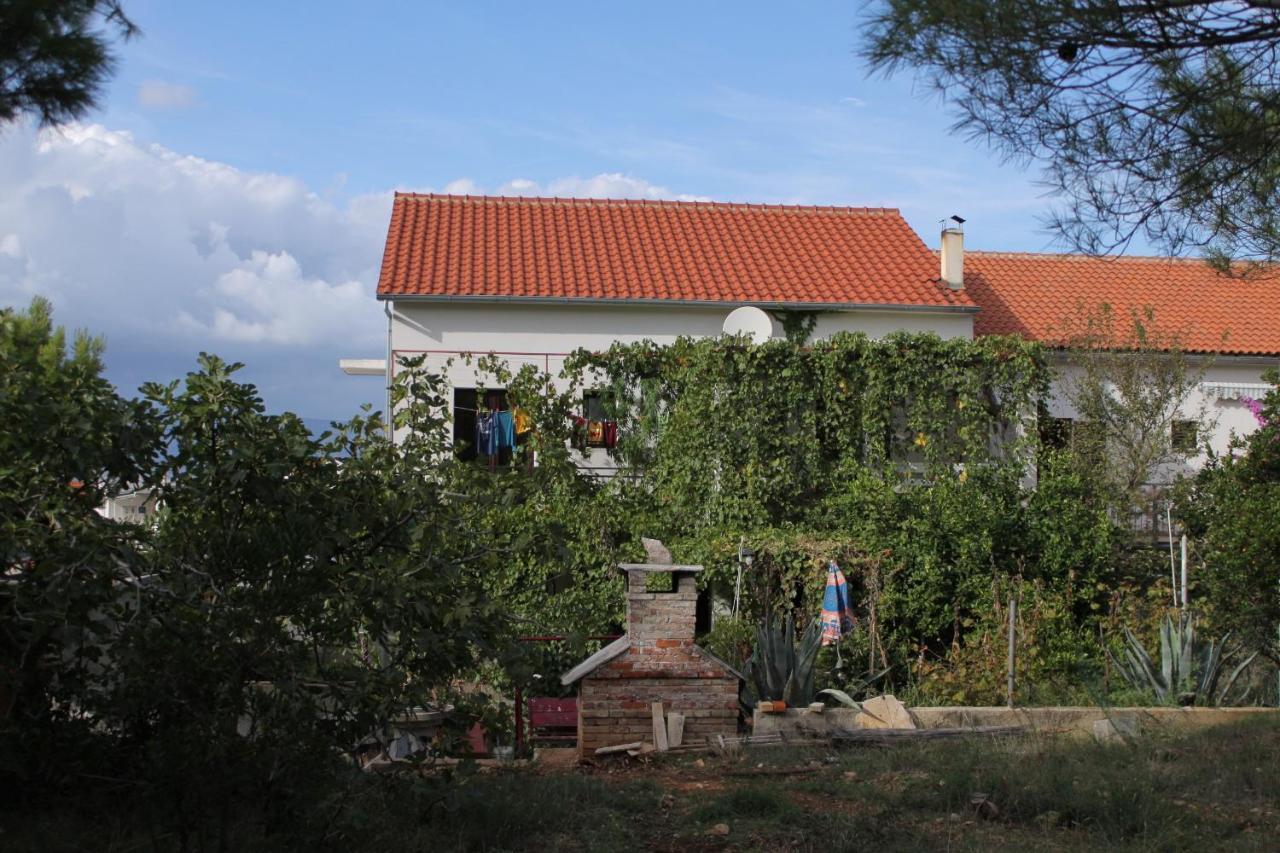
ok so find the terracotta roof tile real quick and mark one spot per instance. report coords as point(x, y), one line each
point(601, 249)
point(1037, 296)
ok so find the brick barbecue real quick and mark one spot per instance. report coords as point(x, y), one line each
point(657, 661)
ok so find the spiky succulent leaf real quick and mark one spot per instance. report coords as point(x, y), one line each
point(806, 657)
point(841, 697)
point(1231, 679)
point(780, 669)
point(1186, 655)
point(1210, 670)
point(1189, 671)
point(1143, 674)
point(1168, 657)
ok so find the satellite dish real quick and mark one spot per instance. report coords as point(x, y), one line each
point(752, 322)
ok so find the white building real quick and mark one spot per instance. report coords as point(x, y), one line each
point(1228, 327)
point(533, 279)
point(135, 505)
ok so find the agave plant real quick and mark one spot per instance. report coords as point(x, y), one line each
point(778, 669)
point(857, 687)
point(1188, 673)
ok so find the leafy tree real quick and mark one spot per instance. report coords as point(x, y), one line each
point(55, 56)
point(727, 436)
point(1233, 512)
point(901, 458)
point(1130, 383)
point(68, 440)
point(299, 593)
point(1159, 119)
point(292, 595)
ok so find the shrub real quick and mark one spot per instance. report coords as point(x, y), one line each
point(1232, 509)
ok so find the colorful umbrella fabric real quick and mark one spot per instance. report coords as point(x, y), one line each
point(837, 612)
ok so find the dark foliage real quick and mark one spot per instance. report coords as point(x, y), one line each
point(56, 55)
point(1154, 119)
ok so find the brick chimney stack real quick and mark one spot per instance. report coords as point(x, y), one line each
point(661, 618)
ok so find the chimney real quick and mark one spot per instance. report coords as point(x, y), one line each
point(953, 257)
point(661, 616)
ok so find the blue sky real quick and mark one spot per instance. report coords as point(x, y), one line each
point(232, 193)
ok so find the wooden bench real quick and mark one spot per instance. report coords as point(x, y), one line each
point(553, 719)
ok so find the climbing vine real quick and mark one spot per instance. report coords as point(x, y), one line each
point(903, 459)
point(730, 435)
point(797, 326)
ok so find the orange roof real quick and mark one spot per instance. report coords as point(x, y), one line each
point(1038, 297)
point(480, 247)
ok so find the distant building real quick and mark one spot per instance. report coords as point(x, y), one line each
point(532, 279)
point(136, 505)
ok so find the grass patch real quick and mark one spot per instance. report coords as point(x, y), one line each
point(1212, 790)
point(514, 812)
point(753, 802)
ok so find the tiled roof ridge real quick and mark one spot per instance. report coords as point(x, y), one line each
point(578, 201)
point(1080, 256)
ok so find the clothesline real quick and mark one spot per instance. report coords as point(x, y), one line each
point(494, 411)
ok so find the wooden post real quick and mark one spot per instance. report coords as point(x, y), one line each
point(675, 729)
point(519, 697)
point(1013, 623)
point(1184, 570)
point(659, 728)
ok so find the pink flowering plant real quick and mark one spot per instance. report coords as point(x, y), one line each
point(1256, 408)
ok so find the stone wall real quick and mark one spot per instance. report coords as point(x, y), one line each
point(1076, 721)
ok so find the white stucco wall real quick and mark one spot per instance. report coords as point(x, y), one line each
point(1222, 418)
point(877, 324)
point(543, 334)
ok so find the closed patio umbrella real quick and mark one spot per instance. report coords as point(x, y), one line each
point(837, 612)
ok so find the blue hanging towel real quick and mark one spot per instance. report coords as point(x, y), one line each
point(504, 428)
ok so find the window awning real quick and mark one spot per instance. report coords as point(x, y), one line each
point(1235, 390)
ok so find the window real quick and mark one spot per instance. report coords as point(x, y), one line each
point(1089, 439)
point(594, 428)
point(593, 406)
point(1055, 433)
point(1184, 436)
point(466, 406)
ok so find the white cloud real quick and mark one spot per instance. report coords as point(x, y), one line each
point(159, 95)
point(604, 185)
point(853, 101)
point(519, 186)
point(267, 299)
point(167, 254)
point(138, 240)
point(462, 186)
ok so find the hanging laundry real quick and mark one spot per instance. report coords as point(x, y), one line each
point(504, 429)
point(524, 423)
point(486, 435)
point(611, 434)
point(595, 433)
